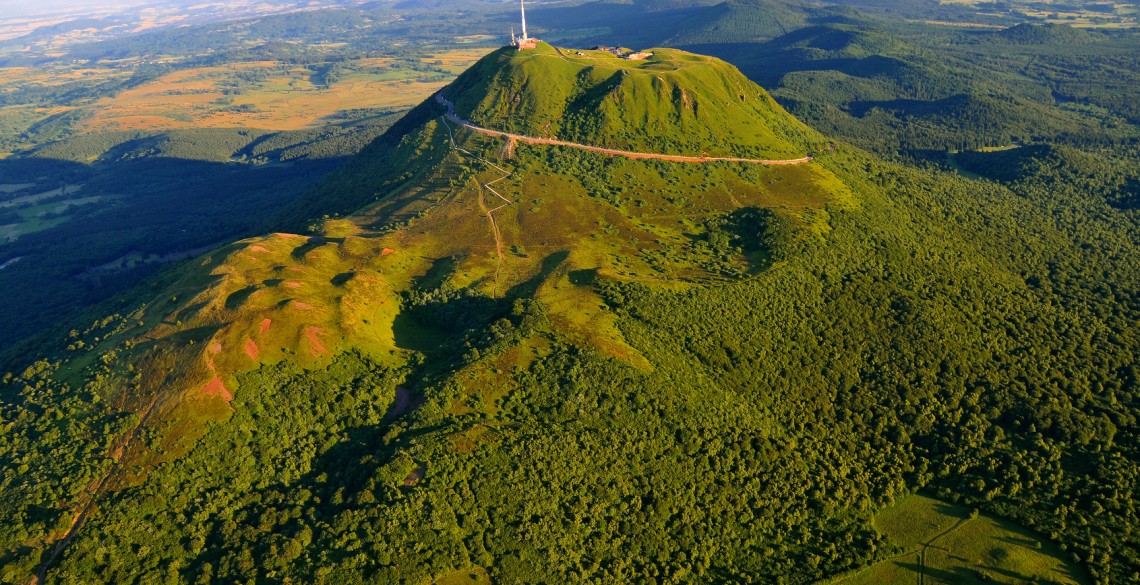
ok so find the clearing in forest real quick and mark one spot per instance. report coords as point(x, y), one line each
point(944, 543)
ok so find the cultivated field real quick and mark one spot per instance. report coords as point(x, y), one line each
point(268, 95)
point(1093, 13)
point(271, 95)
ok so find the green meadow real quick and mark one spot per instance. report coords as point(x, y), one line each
point(946, 544)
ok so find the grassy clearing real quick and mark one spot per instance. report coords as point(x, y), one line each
point(9, 188)
point(9, 232)
point(43, 210)
point(957, 167)
point(31, 199)
point(472, 576)
point(943, 543)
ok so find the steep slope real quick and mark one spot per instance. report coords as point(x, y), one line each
point(444, 243)
point(518, 362)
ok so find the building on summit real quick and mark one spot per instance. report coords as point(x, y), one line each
point(524, 42)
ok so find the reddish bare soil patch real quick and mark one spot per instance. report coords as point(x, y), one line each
point(216, 348)
point(315, 345)
point(217, 388)
point(251, 349)
point(257, 249)
point(265, 325)
point(386, 251)
point(292, 284)
point(415, 476)
point(300, 305)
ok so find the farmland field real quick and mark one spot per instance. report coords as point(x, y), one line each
point(1091, 14)
point(270, 95)
point(267, 95)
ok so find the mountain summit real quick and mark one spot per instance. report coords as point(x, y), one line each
point(659, 100)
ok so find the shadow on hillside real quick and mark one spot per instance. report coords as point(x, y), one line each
point(547, 267)
point(149, 212)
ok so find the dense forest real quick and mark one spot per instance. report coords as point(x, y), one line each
point(905, 89)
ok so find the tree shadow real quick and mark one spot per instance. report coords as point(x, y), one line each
point(342, 278)
point(311, 244)
point(547, 267)
point(238, 298)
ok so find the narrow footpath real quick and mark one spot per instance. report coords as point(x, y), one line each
point(93, 495)
point(490, 212)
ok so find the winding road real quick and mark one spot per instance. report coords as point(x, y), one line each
point(610, 151)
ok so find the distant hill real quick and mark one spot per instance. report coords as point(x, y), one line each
point(736, 21)
point(1045, 34)
point(893, 92)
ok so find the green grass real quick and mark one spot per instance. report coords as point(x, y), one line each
point(289, 297)
point(574, 217)
point(942, 543)
point(673, 102)
point(917, 519)
point(474, 576)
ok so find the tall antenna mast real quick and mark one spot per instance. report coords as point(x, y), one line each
point(522, 7)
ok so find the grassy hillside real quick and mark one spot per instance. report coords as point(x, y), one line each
point(528, 363)
point(672, 102)
point(92, 215)
point(108, 175)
